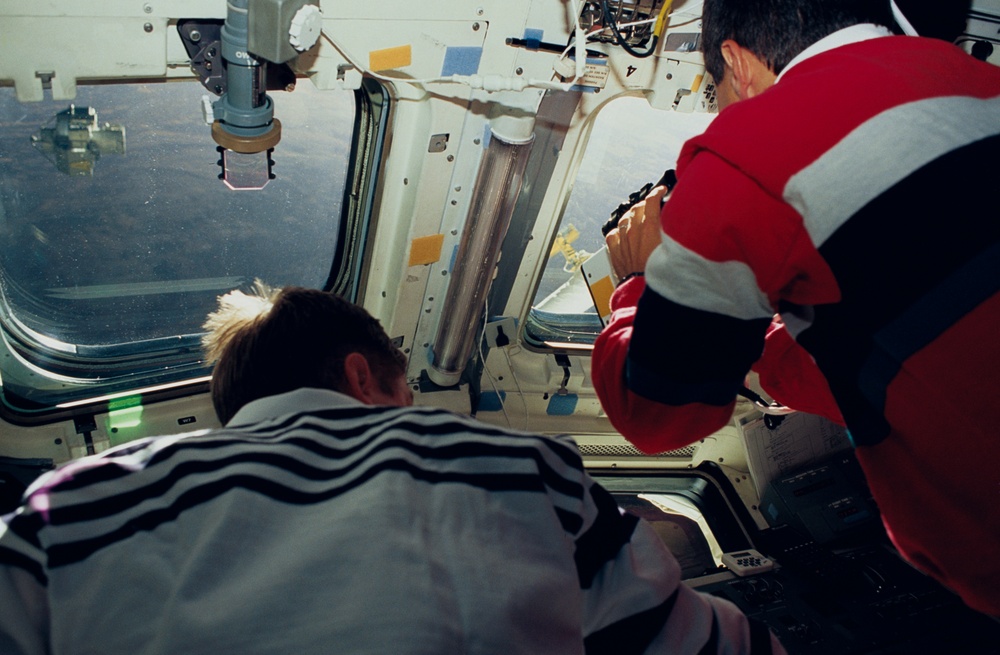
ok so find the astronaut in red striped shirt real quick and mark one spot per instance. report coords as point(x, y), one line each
point(827, 192)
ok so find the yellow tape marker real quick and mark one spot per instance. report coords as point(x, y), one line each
point(696, 84)
point(426, 250)
point(601, 291)
point(389, 58)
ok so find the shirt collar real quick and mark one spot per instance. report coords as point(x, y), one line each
point(306, 399)
point(848, 35)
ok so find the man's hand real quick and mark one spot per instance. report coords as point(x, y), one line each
point(637, 235)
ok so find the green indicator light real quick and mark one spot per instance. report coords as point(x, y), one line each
point(126, 417)
point(124, 403)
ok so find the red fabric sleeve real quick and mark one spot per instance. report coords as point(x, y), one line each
point(789, 375)
point(650, 426)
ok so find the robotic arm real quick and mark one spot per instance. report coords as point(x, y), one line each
point(233, 62)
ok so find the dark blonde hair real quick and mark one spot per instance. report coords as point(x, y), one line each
point(271, 341)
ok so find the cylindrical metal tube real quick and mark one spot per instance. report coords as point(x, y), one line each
point(245, 110)
point(495, 193)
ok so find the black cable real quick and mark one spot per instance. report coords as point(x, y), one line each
point(610, 22)
point(542, 46)
point(752, 397)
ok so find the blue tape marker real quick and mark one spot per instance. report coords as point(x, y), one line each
point(562, 405)
point(462, 60)
point(489, 401)
point(533, 38)
point(593, 61)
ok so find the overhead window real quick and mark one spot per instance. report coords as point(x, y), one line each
point(630, 144)
point(117, 235)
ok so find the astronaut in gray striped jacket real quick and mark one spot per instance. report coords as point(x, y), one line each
point(331, 516)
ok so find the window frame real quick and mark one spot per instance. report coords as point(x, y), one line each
point(70, 381)
point(575, 333)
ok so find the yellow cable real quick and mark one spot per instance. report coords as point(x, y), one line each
point(661, 19)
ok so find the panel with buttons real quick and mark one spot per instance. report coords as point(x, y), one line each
point(747, 562)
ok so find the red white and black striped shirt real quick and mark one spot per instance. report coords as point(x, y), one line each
point(853, 198)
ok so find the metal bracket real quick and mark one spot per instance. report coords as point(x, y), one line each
point(86, 425)
point(202, 40)
point(563, 361)
point(439, 142)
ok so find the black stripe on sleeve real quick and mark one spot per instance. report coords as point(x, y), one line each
point(680, 355)
point(604, 539)
point(632, 634)
point(27, 526)
point(569, 521)
point(18, 560)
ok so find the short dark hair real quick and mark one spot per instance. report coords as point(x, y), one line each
point(778, 30)
point(273, 341)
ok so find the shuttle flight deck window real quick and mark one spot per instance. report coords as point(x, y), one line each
point(631, 144)
point(116, 234)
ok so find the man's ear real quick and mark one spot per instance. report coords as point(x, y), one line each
point(730, 50)
point(359, 383)
point(751, 76)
